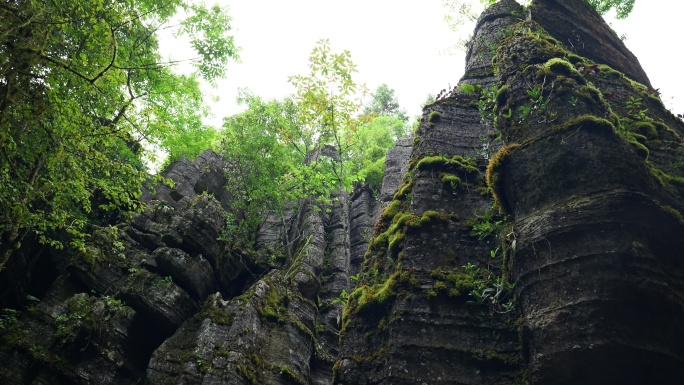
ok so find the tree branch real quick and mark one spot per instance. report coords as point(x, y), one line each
point(111, 63)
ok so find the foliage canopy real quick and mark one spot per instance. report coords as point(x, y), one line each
point(622, 7)
point(308, 145)
point(82, 84)
point(385, 103)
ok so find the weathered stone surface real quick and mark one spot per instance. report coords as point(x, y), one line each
point(439, 341)
point(193, 273)
point(103, 311)
point(73, 338)
point(575, 189)
point(406, 323)
point(207, 173)
point(209, 349)
point(581, 30)
point(363, 214)
point(601, 307)
point(193, 225)
point(597, 228)
point(264, 336)
point(396, 165)
point(489, 31)
point(30, 271)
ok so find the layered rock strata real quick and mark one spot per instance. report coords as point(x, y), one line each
point(588, 219)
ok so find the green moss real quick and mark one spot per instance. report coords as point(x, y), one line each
point(664, 128)
point(288, 373)
point(336, 369)
point(647, 129)
point(640, 148)
point(636, 86)
point(456, 162)
point(490, 354)
point(216, 315)
point(367, 297)
point(428, 217)
point(403, 190)
point(501, 94)
point(434, 117)
point(46, 358)
point(455, 282)
point(431, 161)
point(659, 176)
point(249, 373)
point(590, 93)
point(609, 72)
point(383, 324)
point(483, 73)
point(639, 138)
point(671, 183)
point(395, 244)
point(614, 119)
point(451, 180)
point(377, 242)
point(373, 300)
point(564, 83)
point(540, 45)
point(586, 121)
point(80, 315)
point(553, 40)
point(575, 59)
point(676, 181)
point(402, 222)
point(676, 214)
point(91, 255)
point(559, 66)
point(272, 306)
point(379, 355)
point(495, 178)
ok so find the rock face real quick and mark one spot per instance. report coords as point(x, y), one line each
point(528, 233)
point(597, 263)
point(577, 277)
point(106, 309)
point(161, 299)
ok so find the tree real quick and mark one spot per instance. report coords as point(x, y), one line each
point(82, 84)
point(279, 151)
point(329, 103)
point(372, 141)
point(385, 103)
point(263, 160)
point(622, 7)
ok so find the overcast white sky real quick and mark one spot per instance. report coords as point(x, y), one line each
point(401, 43)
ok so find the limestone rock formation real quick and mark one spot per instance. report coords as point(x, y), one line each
point(160, 298)
point(588, 287)
point(528, 233)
